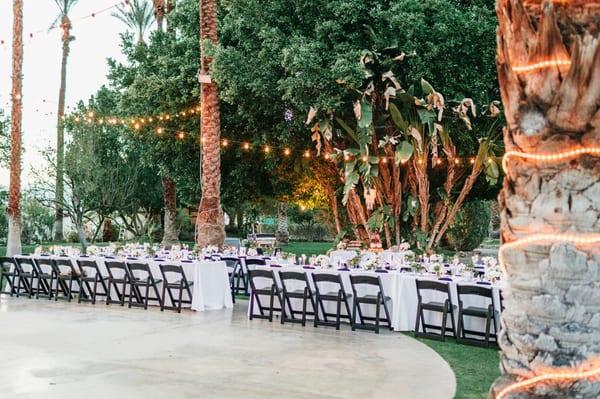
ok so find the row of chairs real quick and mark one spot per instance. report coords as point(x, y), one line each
point(447, 309)
point(317, 299)
point(60, 279)
point(339, 296)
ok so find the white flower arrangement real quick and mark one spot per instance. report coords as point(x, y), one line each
point(92, 250)
point(404, 247)
point(322, 261)
point(489, 261)
point(493, 273)
point(252, 252)
point(209, 250)
point(38, 250)
point(341, 245)
point(475, 259)
point(370, 263)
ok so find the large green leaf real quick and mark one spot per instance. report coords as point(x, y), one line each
point(366, 114)
point(351, 181)
point(397, 117)
point(404, 151)
point(347, 128)
point(426, 87)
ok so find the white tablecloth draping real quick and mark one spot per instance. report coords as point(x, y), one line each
point(405, 311)
point(211, 289)
point(400, 287)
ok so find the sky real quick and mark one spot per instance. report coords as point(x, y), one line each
point(96, 39)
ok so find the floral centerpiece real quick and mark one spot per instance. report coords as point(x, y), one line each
point(38, 250)
point(493, 273)
point(251, 252)
point(418, 267)
point(322, 261)
point(489, 261)
point(92, 250)
point(341, 245)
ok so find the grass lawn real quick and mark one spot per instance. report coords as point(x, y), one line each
point(475, 368)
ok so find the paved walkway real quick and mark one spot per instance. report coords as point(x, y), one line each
point(59, 350)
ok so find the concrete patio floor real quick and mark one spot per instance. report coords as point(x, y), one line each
point(59, 350)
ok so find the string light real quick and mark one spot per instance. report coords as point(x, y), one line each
point(159, 130)
point(541, 65)
point(267, 149)
point(225, 143)
point(246, 146)
point(286, 152)
point(307, 154)
point(180, 135)
point(365, 159)
point(472, 161)
point(554, 157)
point(588, 370)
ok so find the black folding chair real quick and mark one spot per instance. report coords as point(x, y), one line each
point(90, 274)
point(272, 292)
point(247, 264)
point(501, 295)
point(146, 281)
point(338, 296)
point(26, 276)
point(304, 293)
point(9, 272)
point(66, 275)
point(117, 275)
point(369, 299)
point(235, 273)
point(488, 313)
point(46, 274)
point(181, 284)
point(445, 308)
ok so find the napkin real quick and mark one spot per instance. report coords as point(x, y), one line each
point(275, 265)
point(484, 283)
point(308, 267)
point(445, 279)
point(344, 269)
point(380, 271)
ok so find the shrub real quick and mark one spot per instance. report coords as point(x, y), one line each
point(470, 226)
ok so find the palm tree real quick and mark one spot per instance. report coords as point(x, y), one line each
point(549, 73)
point(14, 193)
point(138, 17)
point(210, 224)
point(64, 7)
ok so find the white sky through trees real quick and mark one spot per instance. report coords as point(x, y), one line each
point(95, 39)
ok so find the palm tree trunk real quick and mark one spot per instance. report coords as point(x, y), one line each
point(60, 131)
point(170, 231)
point(14, 191)
point(210, 224)
point(283, 234)
point(549, 74)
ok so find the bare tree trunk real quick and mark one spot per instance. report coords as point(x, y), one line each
point(170, 231)
point(549, 74)
point(210, 224)
point(14, 191)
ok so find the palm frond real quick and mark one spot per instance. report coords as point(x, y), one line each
point(138, 16)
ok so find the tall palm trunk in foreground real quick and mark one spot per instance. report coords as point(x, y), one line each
point(210, 227)
point(65, 25)
point(549, 74)
point(14, 194)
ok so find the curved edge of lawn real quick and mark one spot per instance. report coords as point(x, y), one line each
point(475, 368)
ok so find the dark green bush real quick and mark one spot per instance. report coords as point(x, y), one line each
point(470, 226)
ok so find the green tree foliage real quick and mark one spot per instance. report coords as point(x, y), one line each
point(4, 139)
point(470, 227)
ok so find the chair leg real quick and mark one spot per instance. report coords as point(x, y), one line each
point(271, 307)
point(452, 322)
point(180, 296)
point(162, 301)
point(305, 299)
point(283, 316)
point(488, 323)
point(93, 294)
point(418, 317)
point(377, 311)
point(338, 312)
point(316, 317)
point(444, 319)
point(353, 323)
point(251, 306)
point(130, 296)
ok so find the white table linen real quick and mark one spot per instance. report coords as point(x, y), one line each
point(211, 289)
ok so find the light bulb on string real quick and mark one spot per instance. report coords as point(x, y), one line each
point(307, 154)
point(286, 152)
point(246, 146)
point(267, 149)
point(180, 135)
point(225, 143)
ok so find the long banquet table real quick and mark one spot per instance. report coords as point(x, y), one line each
point(400, 287)
point(211, 289)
